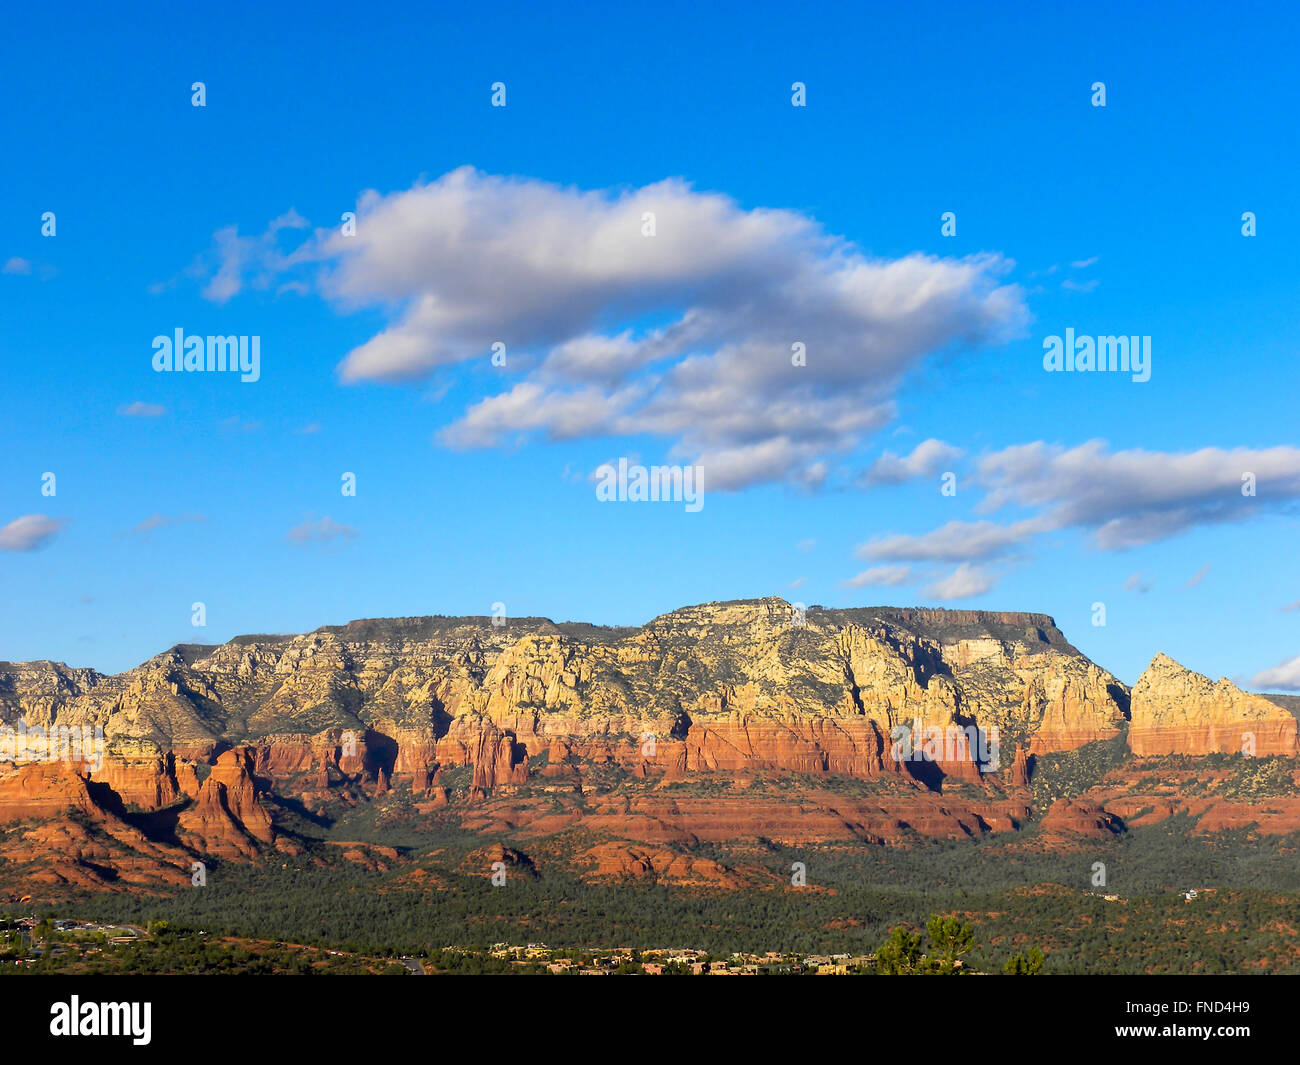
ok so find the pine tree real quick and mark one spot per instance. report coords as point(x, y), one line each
point(901, 954)
point(1019, 965)
point(949, 940)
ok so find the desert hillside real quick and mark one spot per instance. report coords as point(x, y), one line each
point(539, 728)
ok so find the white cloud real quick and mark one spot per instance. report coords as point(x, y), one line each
point(29, 532)
point(16, 266)
point(963, 583)
point(953, 542)
point(1137, 583)
point(1131, 498)
point(323, 531)
point(1200, 575)
point(161, 521)
point(887, 576)
point(686, 335)
point(1124, 499)
point(236, 256)
point(926, 459)
point(1284, 676)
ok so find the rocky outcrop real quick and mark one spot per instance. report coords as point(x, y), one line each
point(497, 760)
point(624, 861)
point(498, 860)
point(72, 841)
point(1020, 769)
point(41, 790)
point(140, 772)
point(1176, 711)
point(347, 713)
point(852, 747)
point(712, 724)
point(713, 688)
point(902, 811)
point(227, 820)
point(1071, 818)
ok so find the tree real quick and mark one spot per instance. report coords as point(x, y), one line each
point(949, 940)
point(901, 954)
point(1019, 965)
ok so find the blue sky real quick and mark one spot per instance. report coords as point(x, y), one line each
point(775, 224)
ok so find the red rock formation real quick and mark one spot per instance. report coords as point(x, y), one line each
point(417, 756)
point(1070, 709)
point(497, 760)
point(734, 695)
point(140, 773)
point(283, 757)
point(43, 790)
point(900, 813)
point(848, 747)
point(1176, 711)
point(481, 862)
point(227, 820)
point(1145, 794)
point(624, 861)
point(75, 843)
point(1020, 769)
point(1080, 819)
point(234, 770)
point(187, 780)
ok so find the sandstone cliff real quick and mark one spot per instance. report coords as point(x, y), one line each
point(459, 711)
point(718, 687)
point(1176, 711)
point(58, 835)
point(227, 820)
